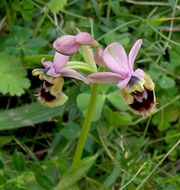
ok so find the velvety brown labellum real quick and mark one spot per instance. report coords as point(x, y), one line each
point(141, 102)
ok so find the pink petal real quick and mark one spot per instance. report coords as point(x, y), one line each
point(51, 72)
point(98, 57)
point(66, 45)
point(123, 83)
point(84, 38)
point(104, 77)
point(59, 61)
point(67, 72)
point(139, 73)
point(134, 51)
point(46, 64)
point(115, 58)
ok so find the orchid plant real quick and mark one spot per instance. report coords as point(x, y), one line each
point(136, 86)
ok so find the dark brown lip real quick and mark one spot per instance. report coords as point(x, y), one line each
point(141, 102)
point(44, 92)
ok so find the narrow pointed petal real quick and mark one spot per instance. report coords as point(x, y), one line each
point(59, 61)
point(104, 77)
point(66, 45)
point(52, 72)
point(67, 72)
point(46, 64)
point(115, 58)
point(84, 38)
point(134, 51)
point(123, 83)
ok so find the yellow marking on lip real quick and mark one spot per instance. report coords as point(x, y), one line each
point(37, 72)
point(148, 82)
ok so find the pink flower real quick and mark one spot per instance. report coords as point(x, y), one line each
point(57, 68)
point(69, 45)
point(121, 65)
point(98, 57)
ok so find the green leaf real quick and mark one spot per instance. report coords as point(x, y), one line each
point(117, 118)
point(172, 136)
point(5, 140)
point(154, 72)
point(32, 46)
point(57, 5)
point(168, 66)
point(19, 187)
point(33, 61)
point(121, 118)
point(27, 115)
point(166, 117)
point(75, 187)
point(12, 76)
point(19, 41)
point(163, 125)
point(1, 165)
point(83, 101)
point(2, 180)
point(175, 57)
point(37, 168)
point(166, 82)
point(110, 180)
point(74, 175)
point(44, 181)
point(110, 38)
point(20, 34)
point(116, 8)
point(71, 131)
point(116, 99)
point(19, 161)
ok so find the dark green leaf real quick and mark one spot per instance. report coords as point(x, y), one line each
point(19, 161)
point(44, 181)
point(121, 118)
point(74, 175)
point(83, 101)
point(166, 82)
point(1, 165)
point(37, 168)
point(57, 5)
point(36, 59)
point(27, 115)
point(5, 140)
point(116, 99)
point(2, 180)
point(20, 33)
point(71, 131)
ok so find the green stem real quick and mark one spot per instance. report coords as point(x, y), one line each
point(86, 126)
point(41, 21)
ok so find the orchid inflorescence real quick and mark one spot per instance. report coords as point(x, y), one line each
point(136, 87)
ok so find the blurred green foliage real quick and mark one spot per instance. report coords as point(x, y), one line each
point(37, 143)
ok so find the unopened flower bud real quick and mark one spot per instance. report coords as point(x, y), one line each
point(66, 45)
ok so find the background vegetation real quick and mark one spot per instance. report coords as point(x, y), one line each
point(37, 143)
